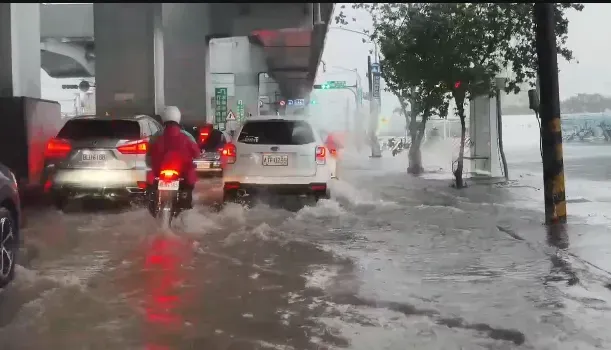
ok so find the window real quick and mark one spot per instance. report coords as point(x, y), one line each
point(154, 127)
point(81, 129)
point(214, 141)
point(277, 132)
point(146, 129)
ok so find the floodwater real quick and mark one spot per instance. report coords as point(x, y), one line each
point(389, 262)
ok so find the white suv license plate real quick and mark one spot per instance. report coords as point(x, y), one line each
point(168, 185)
point(275, 159)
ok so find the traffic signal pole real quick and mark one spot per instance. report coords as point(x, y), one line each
point(551, 133)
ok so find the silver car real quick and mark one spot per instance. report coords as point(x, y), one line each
point(99, 157)
point(10, 218)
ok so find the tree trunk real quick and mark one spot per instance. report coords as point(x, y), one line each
point(461, 153)
point(499, 123)
point(415, 154)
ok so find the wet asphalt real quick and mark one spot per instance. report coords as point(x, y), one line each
point(389, 262)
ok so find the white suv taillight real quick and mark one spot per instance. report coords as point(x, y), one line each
point(321, 155)
point(229, 153)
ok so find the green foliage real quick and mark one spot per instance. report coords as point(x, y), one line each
point(433, 50)
point(471, 42)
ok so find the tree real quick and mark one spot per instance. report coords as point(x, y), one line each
point(586, 103)
point(431, 58)
point(409, 77)
point(460, 48)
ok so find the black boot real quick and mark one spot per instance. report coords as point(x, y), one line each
point(186, 198)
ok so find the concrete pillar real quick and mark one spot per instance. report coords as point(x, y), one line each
point(186, 55)
point(247, 79)
point(20, 50)
point(129, 58)
point(483, 131)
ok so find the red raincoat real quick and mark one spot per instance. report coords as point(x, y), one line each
point(334, 143)
point(173, 149)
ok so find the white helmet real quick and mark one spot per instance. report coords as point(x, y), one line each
point(171, 114)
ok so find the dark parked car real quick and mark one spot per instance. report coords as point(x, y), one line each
point(10, 216)
point(211, 142)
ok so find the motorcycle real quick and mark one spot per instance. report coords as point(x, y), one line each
point(400, 146)
point(167, 200)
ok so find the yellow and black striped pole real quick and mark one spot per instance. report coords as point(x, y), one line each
point(551, 133)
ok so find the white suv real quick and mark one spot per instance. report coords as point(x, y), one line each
point(276, 156)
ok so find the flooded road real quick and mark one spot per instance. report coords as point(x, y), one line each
point(390, 262)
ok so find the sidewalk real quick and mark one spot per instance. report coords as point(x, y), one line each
point(479, 254)
point(514, 209)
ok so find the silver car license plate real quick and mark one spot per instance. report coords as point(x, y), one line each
point(93, 157)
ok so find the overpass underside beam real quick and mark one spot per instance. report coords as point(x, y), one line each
point(129, 58)
point(20, 49)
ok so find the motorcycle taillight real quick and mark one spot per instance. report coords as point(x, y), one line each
point(168, 175)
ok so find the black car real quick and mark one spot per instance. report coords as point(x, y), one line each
point(10, 216)
point(211, 142)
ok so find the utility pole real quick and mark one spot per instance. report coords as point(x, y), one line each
point(551, 132)
point(373, 77)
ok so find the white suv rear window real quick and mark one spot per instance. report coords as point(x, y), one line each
point(277, 132)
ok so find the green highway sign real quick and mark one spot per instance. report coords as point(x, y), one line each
point(334, 84)
point(220, 113)
point(240, 110)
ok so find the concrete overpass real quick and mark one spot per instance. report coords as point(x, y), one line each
point(132, 72)
point(286, 35)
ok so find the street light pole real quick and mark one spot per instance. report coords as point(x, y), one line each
point(358, 83)
point(374, 102)
point(375, 45)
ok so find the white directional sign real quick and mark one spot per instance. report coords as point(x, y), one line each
point(230, 115)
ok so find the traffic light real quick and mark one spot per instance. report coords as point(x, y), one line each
point(313, 102)
point(457, 84)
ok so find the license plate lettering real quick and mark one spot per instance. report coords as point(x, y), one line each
point(203, 165)
point(275, 160)
point(89, 157)
point(168, 185)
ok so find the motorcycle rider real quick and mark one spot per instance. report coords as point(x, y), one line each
point(173, 146)
point(331, 144)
